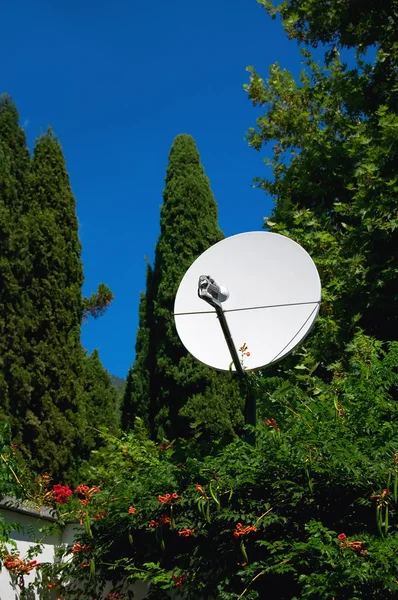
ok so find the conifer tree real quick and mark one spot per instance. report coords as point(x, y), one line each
point(51, 421)
point(45, 393)
point(99, 401)
point(136, 393)
point(13, 140)
point(14, 264)
point(178, 392)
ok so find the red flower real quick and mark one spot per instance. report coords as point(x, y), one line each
point(167, 498)
point(113, 595)
point(272, 423)
point(356, 545)
point(247, 353)
point(240, 530)
point(179, 580)
point(186, 532)
point(82, 489)
point(165, 446)
point(200, 489)
point(383, 494)
point(62, 493)
point(132, 510)
point(79, 548)
point(342, 536)
point(153, 523)
point(84, 502)
point(100, 515)
point(164, 520)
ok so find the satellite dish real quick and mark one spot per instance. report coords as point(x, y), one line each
point(260, 289)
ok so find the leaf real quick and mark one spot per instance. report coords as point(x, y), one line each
point(243, 550)
point(92, 568)
point(207, 512)
point(87, 525)
point(214, 496)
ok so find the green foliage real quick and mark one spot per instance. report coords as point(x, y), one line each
point(9, 482)
point(335, 188)
point(48, 420)
point(124, 458)
point(166, 386)
point(118, 383)
point(13, 140)
point(41, 307)
point(99, 402)
point(325, 462)
point(14, 263)
point(136, 393)
point(339, 23)
point(311, 511)
point(98, 302)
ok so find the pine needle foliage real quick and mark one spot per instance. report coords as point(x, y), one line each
point(99, 403)
point(45, 393)
point(50, 418)
point(166, 386)
point(15, 307)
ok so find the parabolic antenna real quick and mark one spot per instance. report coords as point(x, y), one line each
point(262, 286)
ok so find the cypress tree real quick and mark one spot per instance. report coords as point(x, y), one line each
point(178, 392)
point(45, 394)
point(14, 264)
point(13, 140)
point(136, 394)
point(51, 420)
point(99, 401)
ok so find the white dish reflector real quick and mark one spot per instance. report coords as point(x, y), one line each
point(274, 296)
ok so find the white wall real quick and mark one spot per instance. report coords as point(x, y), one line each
point(32, 521)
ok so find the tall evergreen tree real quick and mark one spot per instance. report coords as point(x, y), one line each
point(45, 393)
point(136, 393)
point(13, 140)
point(14, 264)
point(99, 401)
point(166, 383)
point(51, 419)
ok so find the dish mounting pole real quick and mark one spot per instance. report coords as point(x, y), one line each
point(210, 292)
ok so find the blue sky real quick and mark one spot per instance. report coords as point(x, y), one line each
point(117, 82)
